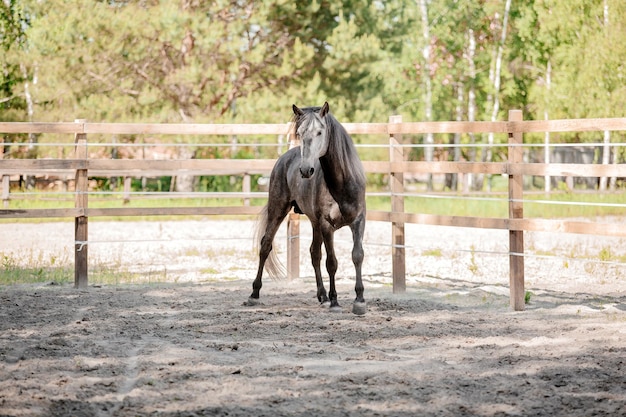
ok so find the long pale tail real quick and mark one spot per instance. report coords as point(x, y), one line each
point(273, 266)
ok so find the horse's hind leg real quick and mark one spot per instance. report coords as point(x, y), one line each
point(272, 217)
point(358, 227)
point(316, 259)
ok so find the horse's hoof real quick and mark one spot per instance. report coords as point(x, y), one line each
point(335, 309)
point(252, 302)
point(359, 308)
point(325, 304)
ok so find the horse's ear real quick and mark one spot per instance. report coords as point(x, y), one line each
point(296, 110)
point(325, 109)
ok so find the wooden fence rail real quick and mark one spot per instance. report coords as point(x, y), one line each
point(82, 167)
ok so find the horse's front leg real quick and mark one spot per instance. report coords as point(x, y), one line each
point(331, 266)
point(358, 228)
point(316, 259)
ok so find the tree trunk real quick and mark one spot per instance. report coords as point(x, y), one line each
point(468, 180)
point(184, 183)
point(456, 139)
point(606, 149)
point(428, 105)
point(546, 116)
point(606, 157)
point(496, 80)
point(616, 158)
point(32, 138)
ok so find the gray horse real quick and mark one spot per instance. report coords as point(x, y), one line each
point(323, 178)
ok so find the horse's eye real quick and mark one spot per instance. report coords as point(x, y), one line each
point(319, 133)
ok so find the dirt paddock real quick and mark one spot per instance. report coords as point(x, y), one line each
point(449, 346)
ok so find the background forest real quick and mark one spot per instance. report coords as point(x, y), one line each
point(246, 61)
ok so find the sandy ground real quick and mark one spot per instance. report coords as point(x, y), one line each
point(182, 342)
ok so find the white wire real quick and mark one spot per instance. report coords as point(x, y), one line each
point(83, 243)
point(568, 203)
point(263, 194)
point(497, 253)
point(450, 197)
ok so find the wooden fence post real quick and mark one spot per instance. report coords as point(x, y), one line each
point(246, 188)
point(293, 245)
point(80, 222)
point(396, 180)
point(127, 189)
point(516, 211)
point(6, 186)
point(293, 226)
point(6, 180)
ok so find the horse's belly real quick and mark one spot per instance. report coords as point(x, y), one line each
point(315, 200)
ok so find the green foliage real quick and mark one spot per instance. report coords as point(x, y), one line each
point(473, 266)
point(581, 40)
point(248, 61)
point(605, 254)
point(433, 252)
point(12, 21)
point(31, 267)
point(496, 205)
point(527, 296)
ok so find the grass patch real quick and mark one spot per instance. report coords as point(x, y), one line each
point(433, 252)
point(493, 205)
point(606, 255)
point(34, 268)
point(191, 252)
point(55, 201)
point(473, 266)
point(588, 204)
point(26, 275)
point(527, 296)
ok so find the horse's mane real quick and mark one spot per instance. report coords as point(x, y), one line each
point(340, 144)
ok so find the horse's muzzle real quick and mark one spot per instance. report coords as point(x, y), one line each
point(307, 172)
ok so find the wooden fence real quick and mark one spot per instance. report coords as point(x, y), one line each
point(82, 167)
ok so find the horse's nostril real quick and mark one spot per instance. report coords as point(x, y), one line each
point(306, 173)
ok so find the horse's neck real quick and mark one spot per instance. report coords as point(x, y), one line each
point(345, 190)
point(335, 175)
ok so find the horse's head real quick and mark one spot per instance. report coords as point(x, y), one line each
point(311, 130)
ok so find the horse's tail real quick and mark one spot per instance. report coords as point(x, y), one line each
point(273, 266)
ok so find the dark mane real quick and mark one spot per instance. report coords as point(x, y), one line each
point(340, 143)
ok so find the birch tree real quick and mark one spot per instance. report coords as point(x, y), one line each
point(606, 149)
point(495, 76)
point(471, 100)
point(426, 74)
